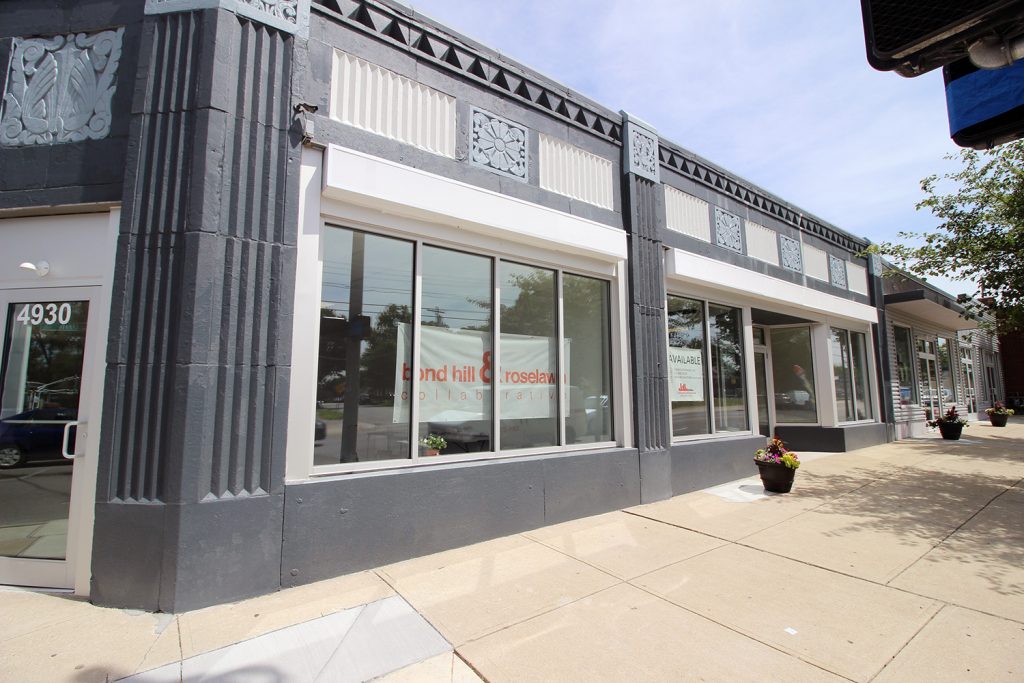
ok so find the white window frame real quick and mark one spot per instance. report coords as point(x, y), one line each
point(870, 370)
point(749, 379)
point(319, 210)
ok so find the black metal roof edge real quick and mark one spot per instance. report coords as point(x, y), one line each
point(907, 276)
point(926, 293)
point(695, 167)
point(428, 40)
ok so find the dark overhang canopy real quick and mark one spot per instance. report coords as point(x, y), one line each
point(930, 306)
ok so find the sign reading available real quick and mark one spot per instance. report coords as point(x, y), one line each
point(456, 375)
point(685, 374)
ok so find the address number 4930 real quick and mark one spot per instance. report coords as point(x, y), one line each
point(49, 314)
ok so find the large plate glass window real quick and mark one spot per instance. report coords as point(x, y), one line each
point(849, 371)
point(390, 355)
point(706, 402)
point(686, 362)
point(947, 381)
point(793, 375)
point(365, 333)
point(905, 365)
point(967, 363)
point(529, 357)
point(586, 310)
point(728, 395)
point(456, 353)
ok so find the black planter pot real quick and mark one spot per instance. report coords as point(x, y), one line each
point(998, 420)
point(950, 430)
point(776, 478)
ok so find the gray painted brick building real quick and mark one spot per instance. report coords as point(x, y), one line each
point(256, 254)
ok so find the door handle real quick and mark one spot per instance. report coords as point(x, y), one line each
point(64, 440)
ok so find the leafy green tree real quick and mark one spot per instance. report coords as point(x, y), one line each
point(980, 235)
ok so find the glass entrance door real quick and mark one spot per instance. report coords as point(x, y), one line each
point(928, 378)
point(762, 375)
point(764, 426)
point(44, 378)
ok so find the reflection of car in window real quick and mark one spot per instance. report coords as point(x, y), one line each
point(33, 436)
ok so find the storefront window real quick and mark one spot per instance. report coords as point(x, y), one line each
point(588, 359)
point(849, 370)
point(793, 375)
point(842, 374)
point(928, 377)
point(527, 385)
point(967, 362)
point(728, 396)
point(947, 383)
point(373, 356)
point(365, 313)
point(703, 402)
point(455, 363)
point(905, 365)
point(861, 379)
point(686, 363)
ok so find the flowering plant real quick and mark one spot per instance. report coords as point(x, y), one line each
point(951, 417)
point(434, 442)
point(776, 453)
point(999, 409)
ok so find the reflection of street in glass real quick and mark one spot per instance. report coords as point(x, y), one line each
point(35, 511)
point(378, 436)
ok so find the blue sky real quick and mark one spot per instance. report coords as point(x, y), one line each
point(778, 92)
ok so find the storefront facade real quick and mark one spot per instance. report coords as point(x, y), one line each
point(287, 244)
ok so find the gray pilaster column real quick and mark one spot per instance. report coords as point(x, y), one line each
point(644, 214)
point(190, 491)
point(880, 332)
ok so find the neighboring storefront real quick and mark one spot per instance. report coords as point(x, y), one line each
point(284, 250)
point(938, 359)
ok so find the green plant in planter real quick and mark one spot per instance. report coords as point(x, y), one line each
point(776, 453)
point(950, 417)
point(777, 466)
point(999, 414)
point(434, 443)
point(998, 409)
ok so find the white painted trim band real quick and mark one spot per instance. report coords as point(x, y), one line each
point(393, 188)
point(706, 272)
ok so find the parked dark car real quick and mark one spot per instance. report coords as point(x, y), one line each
point(34, 436)
point(319, 430)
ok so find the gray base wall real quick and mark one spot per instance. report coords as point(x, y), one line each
point(701, 464)
point(347, 524)
point(833, 439)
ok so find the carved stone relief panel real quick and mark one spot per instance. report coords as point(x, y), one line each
point(499, 144)
point(837, 271)
point(641, 150)
point(728, 232)
point(59, 88)
point(791, 253)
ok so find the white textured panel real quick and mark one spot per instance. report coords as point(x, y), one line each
point(856, 278)
point(687, 214)
point(815, 263)
point(762, 243)
point(367, 96)
point(575, 173)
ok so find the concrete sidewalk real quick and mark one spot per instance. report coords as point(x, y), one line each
point(902, 562)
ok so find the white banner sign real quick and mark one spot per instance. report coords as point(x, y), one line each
point(456, 375)
point(685, 374)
